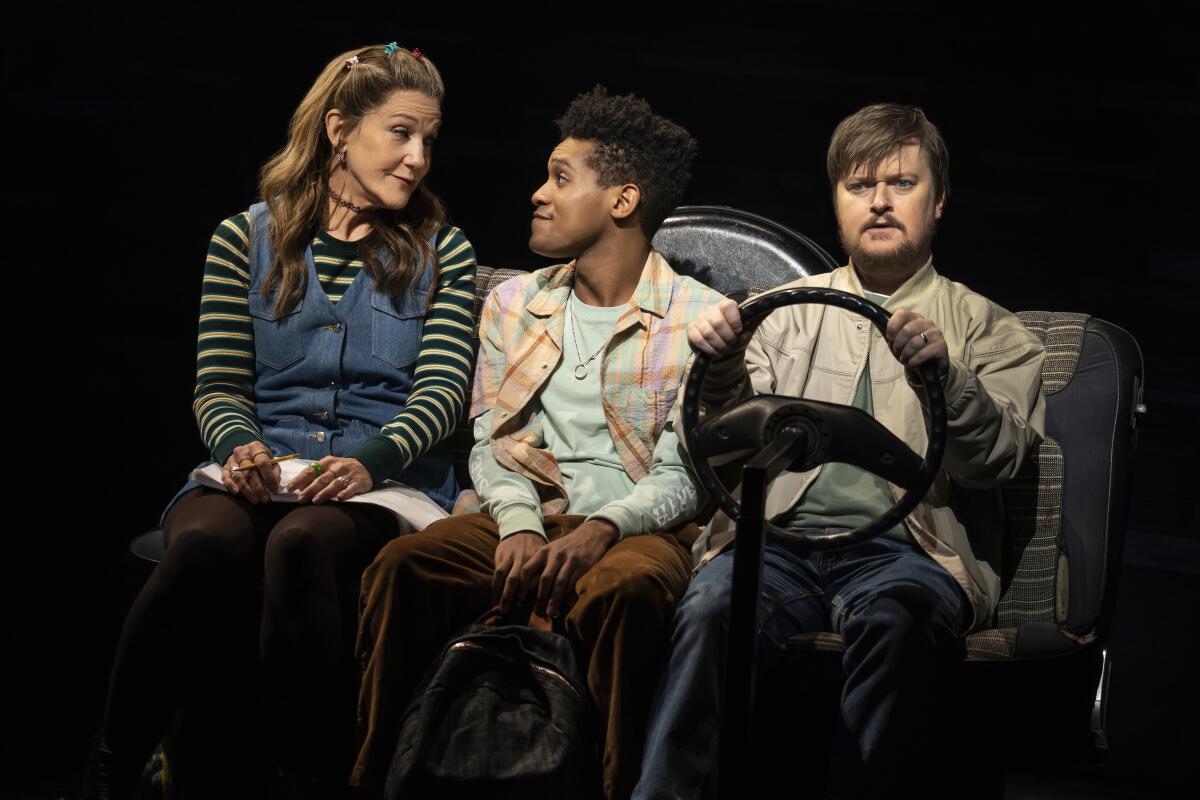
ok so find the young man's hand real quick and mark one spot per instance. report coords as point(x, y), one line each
point(718, 330)
point(555, 568)
point(513, 552)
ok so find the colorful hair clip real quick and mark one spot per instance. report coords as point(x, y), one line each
point(390, 48)
point(351, 61)
point(416, 53)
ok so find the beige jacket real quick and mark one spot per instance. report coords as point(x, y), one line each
point(994, 401)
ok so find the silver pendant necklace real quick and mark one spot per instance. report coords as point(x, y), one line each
point(581, 369)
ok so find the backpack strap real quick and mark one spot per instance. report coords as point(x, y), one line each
point(521, 614)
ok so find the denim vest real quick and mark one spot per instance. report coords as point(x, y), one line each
point(328, 376)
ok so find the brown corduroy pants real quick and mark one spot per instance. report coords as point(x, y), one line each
point(423, 588)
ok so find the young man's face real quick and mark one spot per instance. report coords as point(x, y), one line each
point(887, 220)
point(571, 210)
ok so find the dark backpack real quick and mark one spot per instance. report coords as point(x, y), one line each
point(503, 713)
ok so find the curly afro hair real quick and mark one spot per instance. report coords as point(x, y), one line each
point(633, 145)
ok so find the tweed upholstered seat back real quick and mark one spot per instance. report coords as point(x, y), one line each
point(1066, 509)
point(1034, 563)
point(461, 441)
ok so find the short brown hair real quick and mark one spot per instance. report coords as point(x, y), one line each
point(873, 134)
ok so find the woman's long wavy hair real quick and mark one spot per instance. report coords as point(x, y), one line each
point(294, 183)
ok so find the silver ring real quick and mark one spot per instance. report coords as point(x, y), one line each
point(924, 338)
point(345, 481)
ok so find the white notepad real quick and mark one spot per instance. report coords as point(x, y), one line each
point(414, 511)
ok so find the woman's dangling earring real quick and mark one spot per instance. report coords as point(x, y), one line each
point(342, 158)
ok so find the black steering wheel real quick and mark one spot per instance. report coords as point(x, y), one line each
point(814, 432)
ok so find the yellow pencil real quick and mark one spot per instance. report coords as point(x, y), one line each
point(274, 460)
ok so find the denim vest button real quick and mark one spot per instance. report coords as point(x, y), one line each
point(333, 385)
point(319, 436)
point(335, 327)
point(320, 414)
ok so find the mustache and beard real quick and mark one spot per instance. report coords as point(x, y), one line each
point(909, 254)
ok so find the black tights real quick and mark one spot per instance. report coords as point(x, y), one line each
point(191, 629)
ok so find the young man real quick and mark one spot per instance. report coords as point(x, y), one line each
point(901, 601)
point(583, 486)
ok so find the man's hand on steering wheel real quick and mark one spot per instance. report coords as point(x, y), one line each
point(719, 331)
point(914, 340)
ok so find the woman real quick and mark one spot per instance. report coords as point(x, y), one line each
point(335, 324)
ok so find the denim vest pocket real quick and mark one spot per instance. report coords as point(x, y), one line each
point(277, 340)
point(396, 325)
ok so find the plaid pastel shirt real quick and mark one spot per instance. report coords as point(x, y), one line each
point(642, 366)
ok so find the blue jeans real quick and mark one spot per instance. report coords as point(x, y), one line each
point(899, 613)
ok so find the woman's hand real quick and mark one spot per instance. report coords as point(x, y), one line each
point(257, 483)
point(333, 478)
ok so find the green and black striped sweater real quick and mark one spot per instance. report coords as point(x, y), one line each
point(224, 399)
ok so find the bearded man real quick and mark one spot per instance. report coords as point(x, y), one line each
point(902, 601)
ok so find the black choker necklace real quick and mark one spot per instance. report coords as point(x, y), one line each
point(337, 198)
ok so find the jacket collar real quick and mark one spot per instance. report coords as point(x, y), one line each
point(915, 291)
point(653, 293)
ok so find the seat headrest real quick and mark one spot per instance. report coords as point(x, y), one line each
point(731, 250)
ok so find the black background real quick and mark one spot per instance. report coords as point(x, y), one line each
point(133, 130)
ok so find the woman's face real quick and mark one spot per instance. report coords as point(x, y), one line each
point(388, 154)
